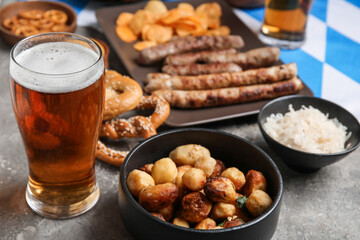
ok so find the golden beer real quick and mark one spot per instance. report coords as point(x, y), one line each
point(57, 90)
point(284, 22)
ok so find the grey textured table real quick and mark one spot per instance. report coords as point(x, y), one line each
point(321, 205)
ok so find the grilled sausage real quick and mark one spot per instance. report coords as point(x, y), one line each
point(157, 81)
point(226, 96)
point(194, 57)
point(199, 69)
point(186, 44)
point(254, 58)
point(259, 57)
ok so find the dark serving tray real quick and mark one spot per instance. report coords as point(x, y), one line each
point(184, 117)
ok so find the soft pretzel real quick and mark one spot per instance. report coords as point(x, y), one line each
point(122, 94)
point(161, 109)
point(109, 155)
point(138, 126)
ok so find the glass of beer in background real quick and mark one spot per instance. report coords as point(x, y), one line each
point(284, 23)
point(57, 91)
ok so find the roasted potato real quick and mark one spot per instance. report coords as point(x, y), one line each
point(195, 207)
point(207, 164)
point(207, 223)
point(179, 221)
point(221, 211)
point(157, 197)
point(158, 215)
point(220, 189)
point(137, 180)
point(194, 179)
point(164, 171)
point(167, 212)
point(188, 154)
point(258, 202)
point(233, 223)
point(218, 169)
point(191, 189)
point(254, 180)
point(147, 168)
point(181, 170)
point(236, 176)
point(243, 214)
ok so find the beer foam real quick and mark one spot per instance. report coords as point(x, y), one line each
point(56, 67)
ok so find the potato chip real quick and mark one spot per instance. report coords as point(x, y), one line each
point(213, 12)
point(157, 7)
point(186, 7)
point(188, 24)
point(203, 18)
point(125, 33)
point(140, 19)
point(158, 33)
point(213, 23)
point(170, 17)
point(144, 30)
point(141, 45)
point(212, 9)
point(124, 18)
point(221, 31)
point(156, 24)
point(182, 32)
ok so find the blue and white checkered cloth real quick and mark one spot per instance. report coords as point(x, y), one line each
point(329, 61)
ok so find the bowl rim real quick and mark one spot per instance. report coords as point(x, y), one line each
point(131, 199)
point(283, 98)
point(54, 3)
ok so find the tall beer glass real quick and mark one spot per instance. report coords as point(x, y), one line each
point(57, 91)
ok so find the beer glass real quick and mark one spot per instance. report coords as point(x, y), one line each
point(284, 23)
point(57, 91)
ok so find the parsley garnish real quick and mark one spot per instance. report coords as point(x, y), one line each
point(240, 202)
point(222, 223)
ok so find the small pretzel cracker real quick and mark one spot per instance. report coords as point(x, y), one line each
point(109, 155)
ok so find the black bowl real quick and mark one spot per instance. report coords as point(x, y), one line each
point(233, 151)
point(304, 161)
